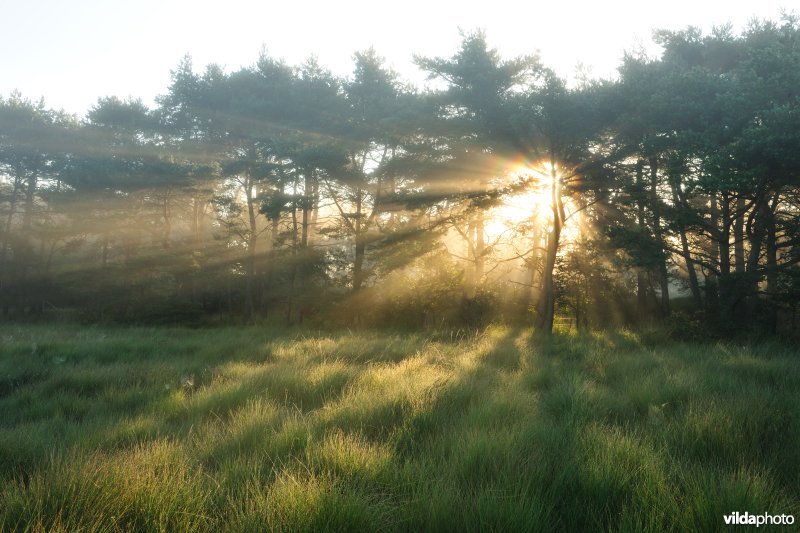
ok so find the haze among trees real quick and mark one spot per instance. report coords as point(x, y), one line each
point(282, 300)
point(283, 193)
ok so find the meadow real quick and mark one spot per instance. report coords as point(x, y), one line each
point(252, 429)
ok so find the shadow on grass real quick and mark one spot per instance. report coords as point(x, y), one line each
point(499, 430)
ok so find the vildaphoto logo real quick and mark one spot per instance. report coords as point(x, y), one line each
point(747, 519)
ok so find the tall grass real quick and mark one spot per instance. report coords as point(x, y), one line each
point(246, 429)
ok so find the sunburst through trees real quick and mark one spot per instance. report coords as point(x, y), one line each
point(283, 192)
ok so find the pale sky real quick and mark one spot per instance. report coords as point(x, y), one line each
point(71, 52)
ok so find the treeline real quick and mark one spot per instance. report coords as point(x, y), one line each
point(283, 192)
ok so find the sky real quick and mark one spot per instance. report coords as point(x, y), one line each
point(71, 52)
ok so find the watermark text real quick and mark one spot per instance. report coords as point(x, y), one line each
point(746, 519)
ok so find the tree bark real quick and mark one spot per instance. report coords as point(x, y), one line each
point(533, 263)
point(725, 236)
point(307, 201)
point(470, 281)
point(252, 243)
point(757, 228)
point(547, 298)
point(641, 275)
point(293, 271)
point(694, 285)
point(167, 214)
point(480, 248)
point(738, 236)
point(361, 245)
point(730, 292)
point(663, 279)
point(771, 315)
point(30, 193)
point(12, 209)
point(712, 289)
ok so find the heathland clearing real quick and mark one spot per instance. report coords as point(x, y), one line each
point(245, 428)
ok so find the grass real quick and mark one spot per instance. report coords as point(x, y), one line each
point(246, 429)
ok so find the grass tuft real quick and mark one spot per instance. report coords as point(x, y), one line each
point(248, 429)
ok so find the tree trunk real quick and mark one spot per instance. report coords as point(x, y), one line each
point(725, 236)
point(314, 210)
point(197, 245)
point(547, 298)
point(711, 280)
point(533, 263)
point(771, 315)
point(756, 236)
point(272, 254)
point(30, 192)
point(730, 291)
point(307, 201)
point(293, 271)
point(641, 275)
point(738, 236)
point(12, 209)
point(757, 229)
point(480, 248)
point(167, 231)
point(361, 245)
point(470, 281)
point(252, 242)
point(694, 285)
point(663, 279)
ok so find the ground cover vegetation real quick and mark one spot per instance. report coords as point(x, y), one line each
point(283, 193)
point(244, 428)
point(282, 299)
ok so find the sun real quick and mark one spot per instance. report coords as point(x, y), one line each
point(525, 204)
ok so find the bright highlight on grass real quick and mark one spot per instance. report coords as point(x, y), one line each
point(295, 431)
